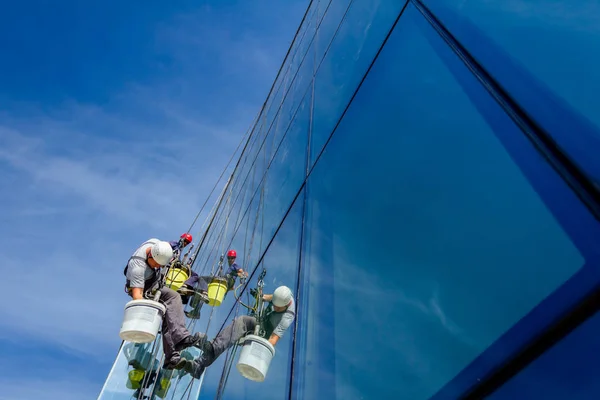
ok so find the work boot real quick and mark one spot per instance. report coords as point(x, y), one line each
point(186, 290)
point(196, 339)
point(203, 296)
point(193, 314)
point(208, 353)
point(174, 363)
point(194, 368)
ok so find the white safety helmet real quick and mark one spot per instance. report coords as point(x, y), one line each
point(282, 296)
point(162, 252)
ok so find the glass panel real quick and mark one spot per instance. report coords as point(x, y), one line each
point(554, 74)
point(425, 240)
point(274, 101)
point(137, 373)
point(322, 6)
point(281, 265)
point(287, 171)
point(351, 52)
point(333, 13)
point(569, 370)
point(251, 229)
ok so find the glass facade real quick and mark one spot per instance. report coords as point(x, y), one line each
point(425, 181)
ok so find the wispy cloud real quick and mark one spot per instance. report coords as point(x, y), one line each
point(32, 388)
point(84, 183)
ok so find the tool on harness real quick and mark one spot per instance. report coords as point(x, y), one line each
point(186, 255)
point(259, 304)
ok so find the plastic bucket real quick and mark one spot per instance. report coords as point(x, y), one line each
point(216, 292)
point(255, 358)
point(176, 277)
point(162, 388)
point(141, 321)
point(135, 377)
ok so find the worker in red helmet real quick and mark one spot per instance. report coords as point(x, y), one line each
point(234, 270)
point(180, 244)
point(201, 283)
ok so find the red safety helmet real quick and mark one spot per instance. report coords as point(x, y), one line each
point(231, 253)
point(187, 237)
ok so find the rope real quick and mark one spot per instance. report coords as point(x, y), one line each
point(225, 169)
point(226, 371)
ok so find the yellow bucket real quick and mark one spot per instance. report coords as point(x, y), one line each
point(175, 278)
point(135, 378)
point(162, 388)
point(216, 292)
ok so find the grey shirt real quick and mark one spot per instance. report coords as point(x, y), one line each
point(138, 270)
point(279, 322)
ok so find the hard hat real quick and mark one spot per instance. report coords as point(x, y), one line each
point(162, 252)
point(282, 296)
point(231, 253)
point(187, 236)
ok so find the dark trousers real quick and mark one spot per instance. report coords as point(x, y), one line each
point(231, 334)
point(173, 325)
point(201, 281)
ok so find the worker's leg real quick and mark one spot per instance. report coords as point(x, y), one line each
point(194, 284)
point(175, 335)
point(173, 327)
point(192, 280)
point(203, 282)
point(228, 337)
point(224, 340)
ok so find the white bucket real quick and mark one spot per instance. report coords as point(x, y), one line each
point(255, 358)
point(142, 321)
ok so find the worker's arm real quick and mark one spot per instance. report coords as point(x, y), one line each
point(135, 275)
point(273, 339)
point(267, 297)
point(137, 293)
point(282, 326)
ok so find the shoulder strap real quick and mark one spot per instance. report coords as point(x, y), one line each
point(137, 257)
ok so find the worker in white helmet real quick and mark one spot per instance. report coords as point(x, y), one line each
point(143, 277)
point(279, 316)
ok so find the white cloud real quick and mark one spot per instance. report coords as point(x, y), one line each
point(29, 387)
point(84, 184)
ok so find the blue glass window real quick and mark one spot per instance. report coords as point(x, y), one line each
point(569, 370)
point(288, 170)
point(350, 53)
point(554, 74)
point(432, 228)
point(281, 265)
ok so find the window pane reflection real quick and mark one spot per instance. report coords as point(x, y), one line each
point(569, 370)
point(281, 265)
point(347, 60)
point(425, 241)
point(554, 74)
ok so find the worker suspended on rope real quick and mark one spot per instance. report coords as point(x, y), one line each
point(277, 319)
point(198, 285)
point(143, 280)
point(178, 245)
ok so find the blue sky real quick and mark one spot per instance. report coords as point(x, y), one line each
point(116, 118)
